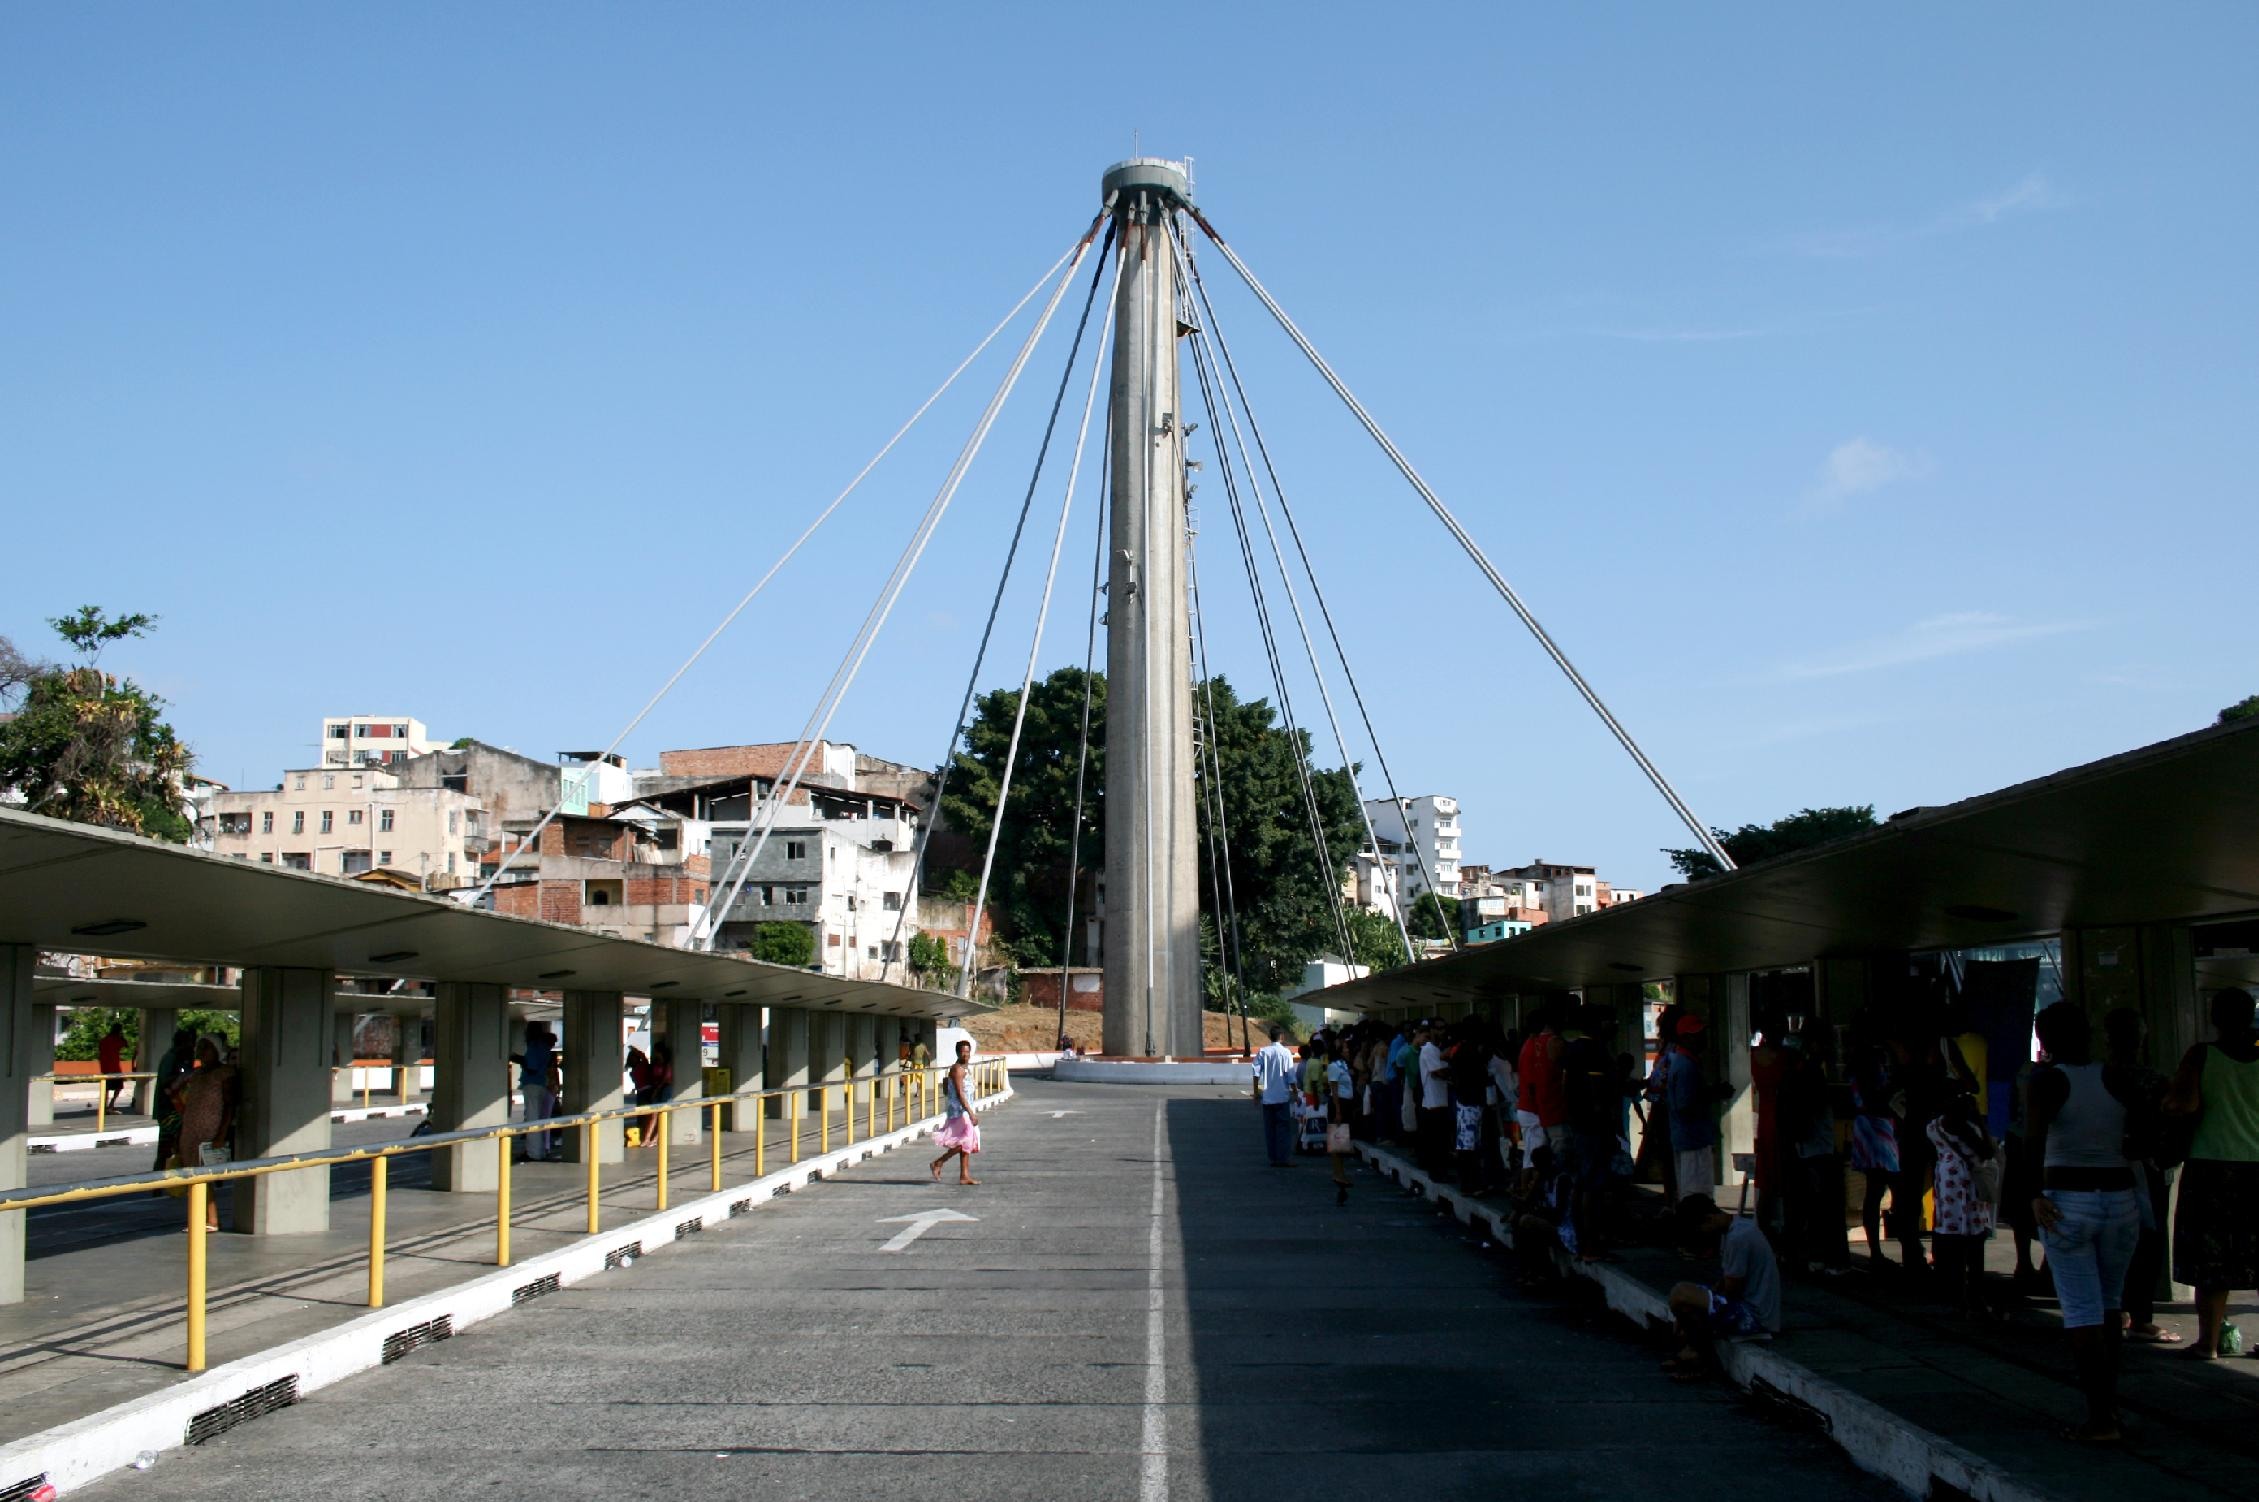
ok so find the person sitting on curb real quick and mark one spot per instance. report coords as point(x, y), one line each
point(1745, 1303)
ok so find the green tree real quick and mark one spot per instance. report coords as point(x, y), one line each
point(1375, 938)
point(2242, 709)
point(88, 1024)
point(1286, 911)
point(785, 944)
point(1028, 887)
point(1434, 917)
point(89, 746)
point(929, 958)
point(1758, 842)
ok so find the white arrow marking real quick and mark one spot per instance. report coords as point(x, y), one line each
point(1055, 1115)
point(920, 1223)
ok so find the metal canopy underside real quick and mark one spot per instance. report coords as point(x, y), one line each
point(195, 907)
point(2166, 833)
point(133, 995)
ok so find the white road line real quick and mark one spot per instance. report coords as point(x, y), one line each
point(1153, 1480)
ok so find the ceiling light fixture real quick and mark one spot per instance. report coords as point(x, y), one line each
point(392, 956)
point(109, 926)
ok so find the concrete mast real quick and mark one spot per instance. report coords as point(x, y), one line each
point(1152, 932)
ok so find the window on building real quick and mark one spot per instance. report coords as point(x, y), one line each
point(796, 895)
point(384, 820)
point(297, 861)
point(599, 898)
point(353, 862)
point(352, 816)
point(384, 857)
point(298, 821)
point(795, 850)
point(454, 821)
point(450, 863)
point(235, 824)
point(768, 896)
point(329, 821)
point(299, 782)
point(337, 732)
point(267, 822)
point(401, 731)
point(893, 902)
point(360, 732)
point(267, 857)
point(329, 780)
point(455, 782)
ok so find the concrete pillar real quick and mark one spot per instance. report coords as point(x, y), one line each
point(827, 1056)
point(285, 1098)
point(157, 1024)
point(741, 1049)
point(788, 1055)
point(1152, 951)
point(407, 1055)
point(862, 1054)
point(470, 1081)
point(39, 1058)
point(344, 1090)
point(21, 1049)
point(682, 1024)
point(888, 1044)
point(594, 1058)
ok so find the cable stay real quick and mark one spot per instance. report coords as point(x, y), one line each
point(1042, 614)
point(875, 622)
point(1211, 773)
point(526, 841)
point(962, 722)
point(1277, 668)
point(1202, 352)
point(1082, 749)
point(1466, 541)
point(1210, 328)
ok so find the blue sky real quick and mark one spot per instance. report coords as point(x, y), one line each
point(1866, 402)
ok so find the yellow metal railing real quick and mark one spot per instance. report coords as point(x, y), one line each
point(988, 1077)
point(108, 1082)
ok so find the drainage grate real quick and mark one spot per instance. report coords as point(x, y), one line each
point(617, 1255)
point(400, 1342)
point(37, 1147)
point(739, 1207)
point(113, 1142)
point(546, 1284)
point(24, 1491)
point(214, 1422)
point(690, 1227)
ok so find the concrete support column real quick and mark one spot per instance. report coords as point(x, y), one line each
point(888, 1047)
point(682, 1024)
point(39, 1058)
point(157, 1024)
point(471, 1081)
point(285, 1098)
point(862, 1054)
point(407, 1055)
point(827, 1055)
point(344, 1089)
point(22, 1047)
point(594, 1057)
point(741, 1049)
point(788, 1055)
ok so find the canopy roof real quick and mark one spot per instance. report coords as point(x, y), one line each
point(2166, 833)
point(76, 888)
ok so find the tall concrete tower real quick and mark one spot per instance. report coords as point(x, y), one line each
point(1152, 934)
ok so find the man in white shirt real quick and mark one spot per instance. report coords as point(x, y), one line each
point(1435, 1103)
point(1275, 1075)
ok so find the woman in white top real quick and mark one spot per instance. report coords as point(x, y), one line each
point(1341, 1110)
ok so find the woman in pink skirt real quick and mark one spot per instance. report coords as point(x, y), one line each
point(959, 1136)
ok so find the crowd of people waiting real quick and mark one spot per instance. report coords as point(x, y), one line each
point(2081, 1177)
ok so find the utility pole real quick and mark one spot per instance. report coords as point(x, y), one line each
point(1152, 944)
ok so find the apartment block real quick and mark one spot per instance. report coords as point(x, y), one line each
point(345, 821)
point(1420, 837)
point(359, 740)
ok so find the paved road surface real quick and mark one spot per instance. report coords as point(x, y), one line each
point(1302, 1351)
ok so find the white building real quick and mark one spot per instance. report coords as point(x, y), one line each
point(343, 821)
point(1371, 883)
point(1417, 831)
point(1559, 891)
point(357, 740)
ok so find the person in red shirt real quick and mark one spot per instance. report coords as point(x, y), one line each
point(109, 1055)
point(1543, 1106)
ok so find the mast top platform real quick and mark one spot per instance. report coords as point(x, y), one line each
point(1169, 181)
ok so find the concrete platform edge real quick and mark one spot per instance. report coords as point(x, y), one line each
point(146, 1136)
point(75, 1454)
point(1870, 1435)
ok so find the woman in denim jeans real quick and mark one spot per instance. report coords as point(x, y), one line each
point(2087, 1210)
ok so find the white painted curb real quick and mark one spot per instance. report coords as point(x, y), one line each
point(74, 1454)
point(1122, 1072)
point(1875, 1439)
point(146, 1136)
